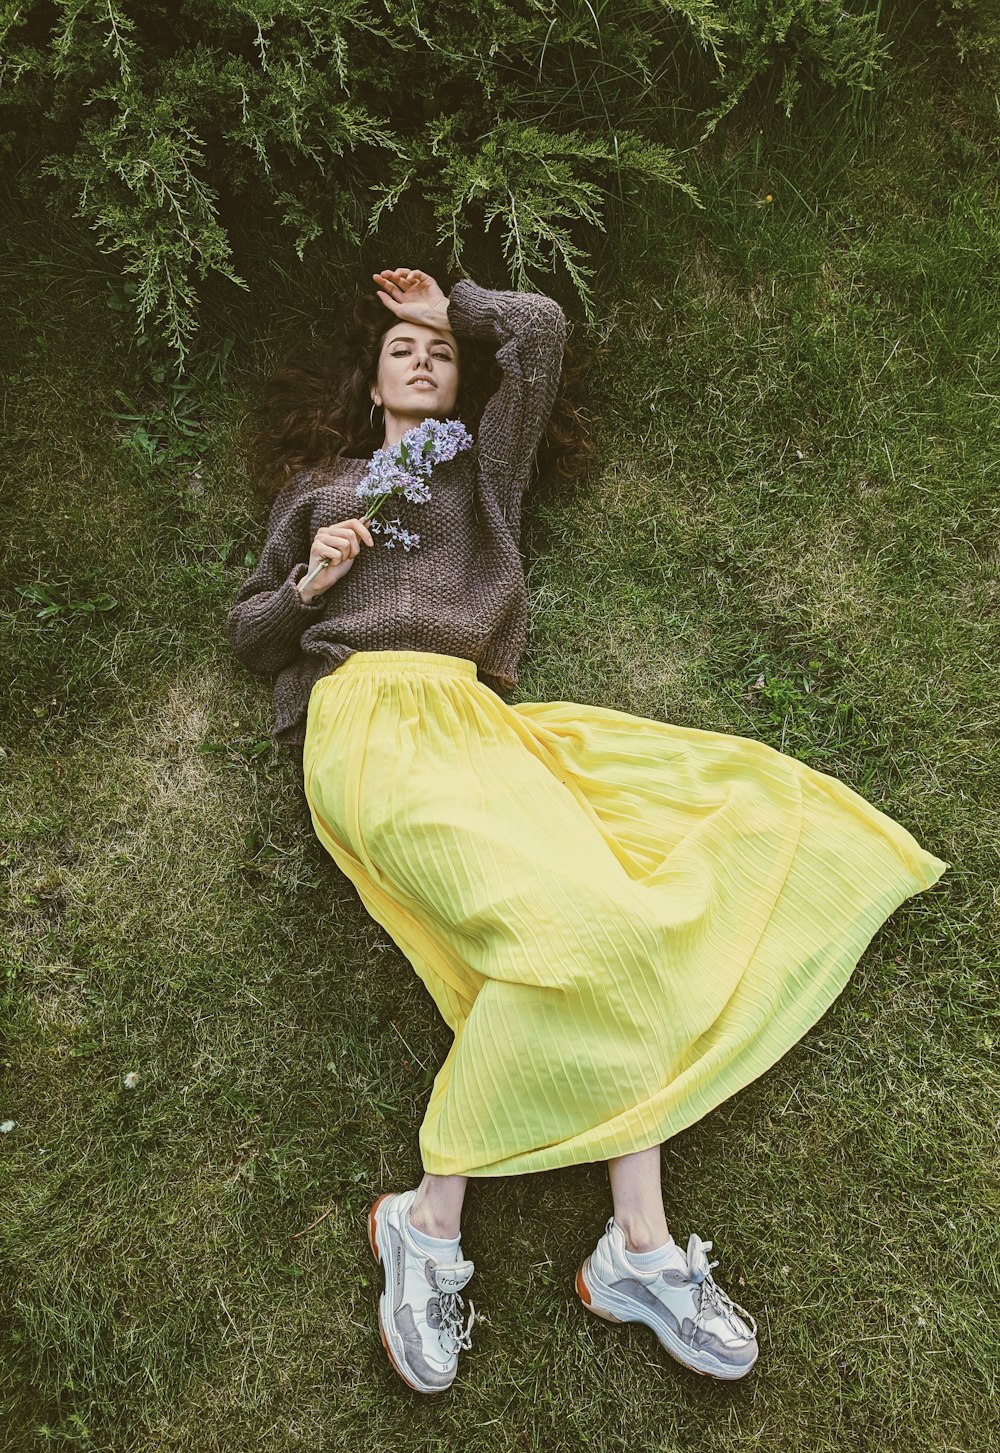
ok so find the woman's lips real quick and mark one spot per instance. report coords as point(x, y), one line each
point(421, 383)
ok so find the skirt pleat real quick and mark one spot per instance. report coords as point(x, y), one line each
point(622, 921)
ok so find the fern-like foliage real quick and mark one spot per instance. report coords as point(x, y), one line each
point(152, 123)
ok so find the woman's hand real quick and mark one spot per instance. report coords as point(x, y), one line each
point(412, 295)
point(340, 544)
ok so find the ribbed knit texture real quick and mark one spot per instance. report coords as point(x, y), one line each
point(461, 592)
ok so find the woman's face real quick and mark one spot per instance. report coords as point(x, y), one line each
point(412, 351)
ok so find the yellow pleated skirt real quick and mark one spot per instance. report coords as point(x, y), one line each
point(622, 921)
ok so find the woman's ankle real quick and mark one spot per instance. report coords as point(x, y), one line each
point(637, 1197)
point(436, 1209)
point(642, 1235)
point(440, 1227)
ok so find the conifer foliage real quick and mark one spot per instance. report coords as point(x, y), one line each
point(155, 124)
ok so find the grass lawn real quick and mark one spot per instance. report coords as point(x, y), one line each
point(792, 535)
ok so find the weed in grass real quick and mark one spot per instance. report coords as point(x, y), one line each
point(789, 707)
point(51, 608)
point(157, 440)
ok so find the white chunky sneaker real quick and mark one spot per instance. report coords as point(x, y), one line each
point(695, 1320)
point(420, 1311)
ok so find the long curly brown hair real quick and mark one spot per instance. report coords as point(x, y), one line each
point(316, 407)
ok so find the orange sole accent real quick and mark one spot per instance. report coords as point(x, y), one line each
point(583, 1292)
point(371, 1227)
point(381, 1330)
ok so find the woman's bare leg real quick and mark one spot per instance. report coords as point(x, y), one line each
point(638, 1199)
point(437, 1206)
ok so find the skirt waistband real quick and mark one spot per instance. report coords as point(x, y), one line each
point(392, 662)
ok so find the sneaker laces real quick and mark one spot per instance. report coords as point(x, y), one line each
point(712, 1299)
point(451, 1307)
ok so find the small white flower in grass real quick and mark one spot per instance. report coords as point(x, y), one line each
point(7, 1127)
point(131, 1080)
point(404, 469)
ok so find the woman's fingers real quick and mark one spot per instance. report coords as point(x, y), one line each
point(355, 529)
point(346, 536)
point(400, 277)
point(344, 545)
point(405, 290)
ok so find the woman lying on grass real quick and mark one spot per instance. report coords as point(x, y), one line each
point(623, 921)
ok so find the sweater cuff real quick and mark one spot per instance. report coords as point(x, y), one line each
point(286, 608)
point(309, 607)
point(472, 310)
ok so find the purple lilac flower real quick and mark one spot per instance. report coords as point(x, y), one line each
point(395, 531)
point(404, 469)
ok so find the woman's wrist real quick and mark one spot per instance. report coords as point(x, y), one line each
point(437, 314)
point(307, 597)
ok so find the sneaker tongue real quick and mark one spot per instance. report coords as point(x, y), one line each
point(453, 1277)
point(698, 1265)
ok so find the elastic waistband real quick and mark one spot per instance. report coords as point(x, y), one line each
point(392, 662)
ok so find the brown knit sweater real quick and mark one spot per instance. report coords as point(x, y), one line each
point(461, 591)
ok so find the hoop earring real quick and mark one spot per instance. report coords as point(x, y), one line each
point(372, 415)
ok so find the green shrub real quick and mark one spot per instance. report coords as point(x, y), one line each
point(159, 125)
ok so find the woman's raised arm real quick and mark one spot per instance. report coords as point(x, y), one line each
point(530, 331)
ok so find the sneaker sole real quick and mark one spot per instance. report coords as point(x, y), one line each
point(677, 1349)
point(397, 1368)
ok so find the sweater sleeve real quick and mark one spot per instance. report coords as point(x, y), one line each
point(266, 623)
point(530, 331)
